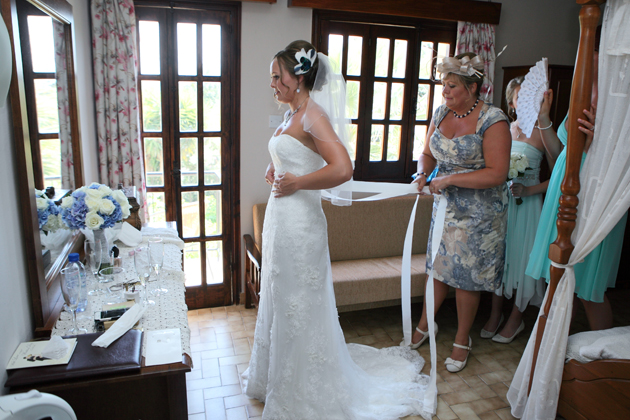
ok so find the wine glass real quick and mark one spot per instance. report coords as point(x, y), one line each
point(142, 262)
point(93, 254)
point(156, 255)
point(71, 290)
point(115, 276)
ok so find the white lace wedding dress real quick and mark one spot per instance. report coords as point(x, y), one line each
point(301, 367)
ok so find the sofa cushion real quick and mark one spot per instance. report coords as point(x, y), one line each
point(375, 279)
point(373, 229)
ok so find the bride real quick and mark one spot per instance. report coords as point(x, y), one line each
point(301, 367)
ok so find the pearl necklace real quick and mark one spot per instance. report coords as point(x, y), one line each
point(469, 111)
point(286, 120)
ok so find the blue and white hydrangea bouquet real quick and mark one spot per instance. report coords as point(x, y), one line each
point(94, 207)
point(48, 213)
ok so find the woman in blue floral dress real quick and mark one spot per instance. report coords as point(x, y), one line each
point(469, 141)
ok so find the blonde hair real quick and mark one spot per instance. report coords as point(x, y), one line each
point(509, 92)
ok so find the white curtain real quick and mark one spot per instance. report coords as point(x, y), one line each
point(605, 197)
point(479, 39)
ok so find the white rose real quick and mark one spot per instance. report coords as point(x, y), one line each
point(93, 220)
point(93, 204)
point(125, 211)
point(520, 166)
point(42, 203)
point(38, 193)
point(513, 173)
point(67, 202)
point(107, 207)
point(120, 196)
point(93, 194)
point(105, 190)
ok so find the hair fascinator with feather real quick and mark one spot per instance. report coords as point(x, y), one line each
point(305, 61)
point(464, 66)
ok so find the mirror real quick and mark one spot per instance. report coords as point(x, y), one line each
point(43, 82)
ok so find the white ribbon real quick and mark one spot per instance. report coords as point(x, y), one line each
point(383, 190)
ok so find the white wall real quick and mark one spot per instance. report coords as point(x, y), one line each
point(534, 29)
point(16, 323)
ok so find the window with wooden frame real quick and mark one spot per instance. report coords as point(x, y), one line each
point(388, 63)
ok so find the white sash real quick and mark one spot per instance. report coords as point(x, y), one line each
point(383, 190)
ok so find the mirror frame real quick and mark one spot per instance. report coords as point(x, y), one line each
point(46, 298)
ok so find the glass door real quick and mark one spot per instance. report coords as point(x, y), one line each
point(190, 126)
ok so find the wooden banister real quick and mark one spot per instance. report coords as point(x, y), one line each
point(581, 89)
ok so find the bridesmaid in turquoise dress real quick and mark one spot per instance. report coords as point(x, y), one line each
point(521, 231)
point(598, 272)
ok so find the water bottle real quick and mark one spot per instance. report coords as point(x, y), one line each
point(73, 259)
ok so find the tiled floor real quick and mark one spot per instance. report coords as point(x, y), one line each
point(221, 341)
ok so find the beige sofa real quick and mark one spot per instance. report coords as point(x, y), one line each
point(366, 244)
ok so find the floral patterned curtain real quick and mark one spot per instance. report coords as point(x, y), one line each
point(115, 78)
point(479, 39)
point(65, 135)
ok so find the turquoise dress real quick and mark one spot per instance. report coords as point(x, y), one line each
point(598, 271)
point(472, 250)
point(521, 231)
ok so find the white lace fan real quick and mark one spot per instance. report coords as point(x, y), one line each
point(531, 96)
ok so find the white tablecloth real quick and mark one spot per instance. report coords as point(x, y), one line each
point(169, 311)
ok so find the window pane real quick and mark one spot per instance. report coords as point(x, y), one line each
point(352, 99)
point(151, 105)
point(190, 214)
point(426, 60)
point(40, 34)
point(335, 51)
point(376, 143)
point(352, 140)
point(46, 105)
point(192, 264)
point(214, 262)
point(396, 103)
point(50, 150)
point(153, 162)
point(189, 161)
point(149, 47)
point(157, 210)
point(213, 212)
point(211, 106)
point(212, 160)
point(211, 42)
point(443, 50)
point(382, 57)
point(393, 143)
point(187, 106)
point(378, 106)
point(437, 97)
point(419, 135)
point(187, 49)
point(355, 48)
point(400, 58)
point(422, 107)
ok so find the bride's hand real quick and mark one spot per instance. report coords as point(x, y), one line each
point(270, 174)
point(284, 184)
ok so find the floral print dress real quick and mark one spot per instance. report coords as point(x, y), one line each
point(472, 251)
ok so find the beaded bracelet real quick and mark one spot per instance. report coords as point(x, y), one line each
point(545, 128)
point(414, 176)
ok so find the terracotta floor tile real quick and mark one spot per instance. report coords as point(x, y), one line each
point(501, 390)
point(196, 403)
point(443, 411)
point(215, 410)
point(240, 400)
point(221, 391)
point(490, 415)
point(498, 376)
point(198, 416)
point(234, 360)
point(487, 404)
point(203, 346)
point(210, 367)
point(460, 397)
point(505, 414)
point(238, 413)
point(255, 410)
point(194, 374)
point(216, 353)
point(473, 381)
point(444, 388)
point(229, 375)
point(464, 412)
point(203, 383)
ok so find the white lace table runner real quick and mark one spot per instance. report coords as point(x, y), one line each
point(169, 311)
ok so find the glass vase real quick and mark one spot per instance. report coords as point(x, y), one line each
point(100, 240)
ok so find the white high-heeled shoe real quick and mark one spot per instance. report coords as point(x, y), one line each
point(425, 334)
point(455, 366)
point(506, 340)
point(489, 334)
